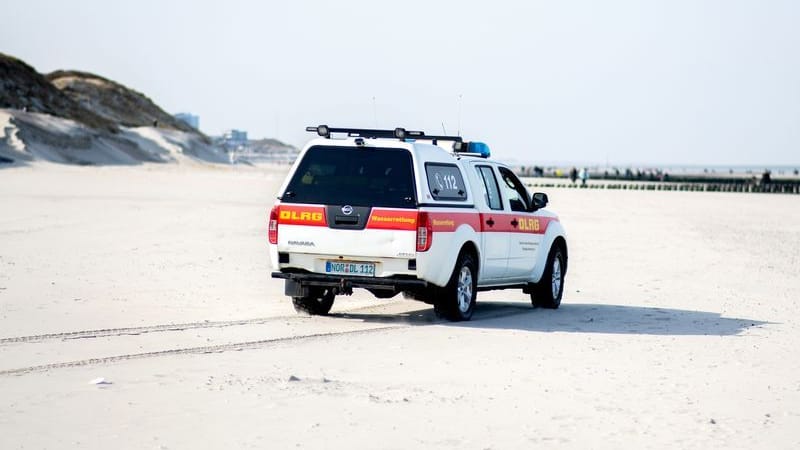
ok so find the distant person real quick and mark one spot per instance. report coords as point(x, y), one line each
point(573, 174)
point(766, 178)
point(584, 175)
point(155, 123)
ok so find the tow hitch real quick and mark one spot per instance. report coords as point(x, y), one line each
point(345, 288)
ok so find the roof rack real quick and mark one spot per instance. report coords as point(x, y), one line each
point(398, 133)
point(460, 147)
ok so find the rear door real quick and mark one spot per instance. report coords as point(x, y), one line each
point(352, 202)
point(495, 243)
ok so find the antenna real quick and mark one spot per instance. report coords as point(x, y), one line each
point(375, 111)
point(458, 133)
point(444, 130)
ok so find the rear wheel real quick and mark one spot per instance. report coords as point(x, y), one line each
point(457, 299)
point(548, 291)
point(316, 304)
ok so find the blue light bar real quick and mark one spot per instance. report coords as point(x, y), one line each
point(480, 148)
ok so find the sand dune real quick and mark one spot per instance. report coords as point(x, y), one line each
point(678, 329)
point(27, 137)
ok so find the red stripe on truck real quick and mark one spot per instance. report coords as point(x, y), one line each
point(444, 222)
point(392, 219)
point(407, 220)
point(515, 223)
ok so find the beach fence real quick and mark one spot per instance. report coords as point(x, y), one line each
point(771, 188)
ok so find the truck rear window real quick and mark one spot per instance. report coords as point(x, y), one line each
point(330, 175)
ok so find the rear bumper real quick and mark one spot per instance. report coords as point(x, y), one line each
point(347, 283)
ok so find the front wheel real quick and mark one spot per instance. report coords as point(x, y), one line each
point(548, 291)
point(457, 300)
point(315, 304)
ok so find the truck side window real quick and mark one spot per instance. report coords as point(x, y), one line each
point(491, 190)
point(517, 195)
point(445, 182)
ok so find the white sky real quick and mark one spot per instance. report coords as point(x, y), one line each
point(667, 82)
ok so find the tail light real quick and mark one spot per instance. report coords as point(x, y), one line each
point(424, 232)
point(273, 224)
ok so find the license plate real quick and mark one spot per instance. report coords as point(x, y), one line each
point(350, 268)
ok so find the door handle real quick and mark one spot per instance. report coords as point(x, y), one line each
point(490, 222)
point(514, 223)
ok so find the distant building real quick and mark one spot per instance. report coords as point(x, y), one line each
point(189, 119)
point(237, 136)
point(234, 139)
point(240, 148)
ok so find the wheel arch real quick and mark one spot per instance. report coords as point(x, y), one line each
point(561, 242)
point(472, 248)
point(554, 236)
point(437, 264)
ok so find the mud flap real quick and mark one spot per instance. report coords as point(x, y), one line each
point(295, 289)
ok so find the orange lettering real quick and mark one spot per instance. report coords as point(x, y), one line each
point(529, 225)
point(301, 216)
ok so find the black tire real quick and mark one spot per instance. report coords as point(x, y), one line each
point(544, 293)
point(456, 301)
point(315, 305)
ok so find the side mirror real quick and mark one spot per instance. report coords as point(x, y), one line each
point(538, 200)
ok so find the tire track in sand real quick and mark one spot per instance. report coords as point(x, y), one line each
point(195, 350)
point(133, 331)
point(386, 323)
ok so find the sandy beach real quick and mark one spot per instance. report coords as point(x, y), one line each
point(137, 311)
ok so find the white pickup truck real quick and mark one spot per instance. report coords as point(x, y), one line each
point(396, 211)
